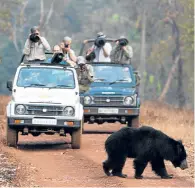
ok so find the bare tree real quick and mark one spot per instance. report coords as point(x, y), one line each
point(177, 62)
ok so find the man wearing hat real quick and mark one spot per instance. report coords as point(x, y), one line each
point(102, 53)
point(122, 52)
point(69, 54)
point(85, 74)
point(35, 46)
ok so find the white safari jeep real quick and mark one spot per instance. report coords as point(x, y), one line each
point(45, 99)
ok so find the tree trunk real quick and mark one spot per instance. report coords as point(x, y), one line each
point(41, 16)
point(181, 96)
point(177, 62)
point(142, 68)
point(169, 79)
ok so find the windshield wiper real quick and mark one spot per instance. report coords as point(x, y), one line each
point(34, 85)
point(99, 79)
point(121, 80)
point(59, 86)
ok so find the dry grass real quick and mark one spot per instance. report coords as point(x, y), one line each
point(174, 122)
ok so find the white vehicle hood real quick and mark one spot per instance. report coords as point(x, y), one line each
point(45, 95)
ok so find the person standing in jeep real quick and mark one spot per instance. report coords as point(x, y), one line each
point(122, 52)
point(101, 49)
point(35, 46)
point(69, 54)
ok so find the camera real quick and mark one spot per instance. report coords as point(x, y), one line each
point(57, 58)
point(66, 45)
point(123, 42)
point(34, 37)
point(91, 56)
point(100, 42)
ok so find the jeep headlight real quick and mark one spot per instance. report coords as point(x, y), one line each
point(68, 111)
point(20, 109)
point(131, 100)
point(128, 100)
point(87, 100)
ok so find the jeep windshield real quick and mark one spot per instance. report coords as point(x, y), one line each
point(45, 77)
point(112, 74)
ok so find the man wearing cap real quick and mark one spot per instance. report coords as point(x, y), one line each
point(85, 74)
point(122, 52)
point(69, 54)
point(35, 46)
point(102, 53)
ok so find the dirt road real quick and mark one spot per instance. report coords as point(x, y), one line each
point(50, 161)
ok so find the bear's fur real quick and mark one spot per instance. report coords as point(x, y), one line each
point(145, 144)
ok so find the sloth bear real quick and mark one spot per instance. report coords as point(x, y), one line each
point(145, 144)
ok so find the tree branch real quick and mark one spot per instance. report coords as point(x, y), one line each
point(49, 14)
point(170, 76)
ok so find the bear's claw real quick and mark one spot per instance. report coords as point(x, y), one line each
point(120, 175)
point(167, 176)
point(138, 177)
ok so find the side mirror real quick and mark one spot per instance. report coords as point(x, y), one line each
point(9, 85)
point(137, 77)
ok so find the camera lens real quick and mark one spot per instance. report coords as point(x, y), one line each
point(34, 37)
point(100, 42)
point(123, 42)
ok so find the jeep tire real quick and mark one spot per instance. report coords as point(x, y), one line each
point(11, 137)
point(133, 122)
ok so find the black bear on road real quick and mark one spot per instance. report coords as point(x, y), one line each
point(145, 144)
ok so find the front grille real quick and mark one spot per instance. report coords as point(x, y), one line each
point(44, 110)
point(108, 100)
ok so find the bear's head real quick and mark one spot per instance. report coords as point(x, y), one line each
point(180, 156)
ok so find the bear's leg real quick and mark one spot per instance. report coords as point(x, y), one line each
point(139, 166)
point(107, 166)
point(158, 166)
point(118, 167)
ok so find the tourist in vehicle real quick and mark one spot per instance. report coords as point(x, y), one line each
point(85, 74)
point(69, 54)
point(57, 50)
point(100, 51)
point(122, 52)
point(35, 46)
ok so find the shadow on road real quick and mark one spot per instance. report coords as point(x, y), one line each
point(97, 132)
point(43, 145)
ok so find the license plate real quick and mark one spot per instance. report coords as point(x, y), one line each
point(40, 121)
point(107, 110)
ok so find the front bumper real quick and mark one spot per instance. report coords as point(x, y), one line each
point(119, 112)
point(28, 122)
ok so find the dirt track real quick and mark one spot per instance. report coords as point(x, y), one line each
point(50, 161)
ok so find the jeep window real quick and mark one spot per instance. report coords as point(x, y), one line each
point(106, 73)
point(45, 77)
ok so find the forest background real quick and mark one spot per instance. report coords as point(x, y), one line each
point(161, 33)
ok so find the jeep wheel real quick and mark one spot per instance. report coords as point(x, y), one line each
point(12, 137)
point(133, 122)
point(76, 138)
